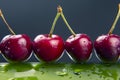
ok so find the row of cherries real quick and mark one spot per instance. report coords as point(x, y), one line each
point(50, 47)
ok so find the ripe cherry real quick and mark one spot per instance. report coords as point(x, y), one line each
point(107, 46)
point(79, 46)
point(49, 47)
point(15, 48)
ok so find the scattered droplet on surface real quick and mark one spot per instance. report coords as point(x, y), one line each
point(79, 76)
point(62, 73)
point(77, 71)
point(11, 79)
point(88, 74)
point(70, 77)
point(42, 72)
point(24, 78)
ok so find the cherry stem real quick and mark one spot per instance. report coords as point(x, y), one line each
point(3, 18)
point(64, 19)
point(115, 21)
point(54, 23)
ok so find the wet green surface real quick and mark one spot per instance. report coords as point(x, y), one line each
point(55, 71)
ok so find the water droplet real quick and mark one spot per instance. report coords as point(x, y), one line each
point(77, 71)
point(100, 76)
point(11, 79)
point(42, 72)
point(64, 70)
point(70, 77)
point(79, 76)
point(61, 73)
point(88, 74)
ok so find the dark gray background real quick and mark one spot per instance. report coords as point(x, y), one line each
point(33, 17)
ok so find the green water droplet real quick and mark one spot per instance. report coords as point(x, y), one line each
point(59, 73)
point(2, 69)
point(79, 76)
point(77, 71)
point(62, 73)
point(70, 77)
point(100, 76)
point(88, 75)
point(42, 72)
point(11, 79)
point(24, 78)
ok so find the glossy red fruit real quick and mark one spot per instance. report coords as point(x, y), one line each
point(108, 47)
point(16, 48)
point(79, 47)
point(48, 48)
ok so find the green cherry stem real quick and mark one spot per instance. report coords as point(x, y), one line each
point(115, 21)
point(3, 18)
point(54, 23)
point(64, 19)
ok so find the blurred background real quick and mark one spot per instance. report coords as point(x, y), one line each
point(34, 17)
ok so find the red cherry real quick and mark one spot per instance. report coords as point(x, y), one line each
point(107, 46)
point(16, 48)
point(48, 48)
point(79, 47)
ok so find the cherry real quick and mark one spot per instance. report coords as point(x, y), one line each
point(79, 46)
point(15, 48)
point(107, 46)
point(49, 47)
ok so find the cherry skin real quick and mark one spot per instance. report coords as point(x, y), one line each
point(79, 47)
point(16, 48)
point(108, 47)
point(48, 48)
